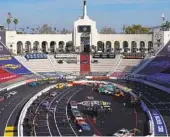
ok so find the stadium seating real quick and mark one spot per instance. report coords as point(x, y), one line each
point(103, 65)
point(64, 66)
point(37, 65)
point(127, 65)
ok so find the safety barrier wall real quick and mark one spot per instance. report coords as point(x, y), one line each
point(15, 85)
point(25, 108)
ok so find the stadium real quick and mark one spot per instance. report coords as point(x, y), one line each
point(85, 83)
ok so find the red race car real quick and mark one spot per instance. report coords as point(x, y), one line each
point(1, 98)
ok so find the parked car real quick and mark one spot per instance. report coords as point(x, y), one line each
point(13, 92)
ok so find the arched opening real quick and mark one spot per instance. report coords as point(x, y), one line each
point(44, 46)
point(52, 46)
point(142, 46)
point(19, 47)
point(35, 47)
point(150, 46)
point(61, 46)
point(27, 47)
point(125, 46)
point(117, 47)
point(69, 47)
point(133, 47)
point(100, 46)
point(108, 46)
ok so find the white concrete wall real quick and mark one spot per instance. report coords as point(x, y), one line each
point(12, 38)
point(125, 37)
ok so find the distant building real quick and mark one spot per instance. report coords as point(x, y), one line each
point(84, 38)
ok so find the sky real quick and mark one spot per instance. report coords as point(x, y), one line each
point(107, 13)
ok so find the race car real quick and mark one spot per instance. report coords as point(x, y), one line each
point(33, 84)
point(119, 94)
point(123, 133)
point(73, 104)
point(80, 121)
point(60, 85)
point(95, 106)
point(105, 90)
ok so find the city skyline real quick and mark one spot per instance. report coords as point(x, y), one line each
point(107, 13)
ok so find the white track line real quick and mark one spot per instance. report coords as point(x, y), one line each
point(36, 111)
point(67, 108)
point(55, 114)
point(47, 116)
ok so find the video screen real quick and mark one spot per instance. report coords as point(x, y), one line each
point(84, 28)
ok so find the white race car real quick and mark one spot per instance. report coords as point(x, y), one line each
point(13, 92)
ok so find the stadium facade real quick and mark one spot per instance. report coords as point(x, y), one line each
point(84, 38)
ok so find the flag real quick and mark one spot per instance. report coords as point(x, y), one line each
point(163, 17)
point(9, 15)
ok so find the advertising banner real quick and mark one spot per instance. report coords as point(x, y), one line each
point(159, 124)
point(6, 76)
point(160, 63)
point(159, 78)
point(10, 64)
point(51, 74)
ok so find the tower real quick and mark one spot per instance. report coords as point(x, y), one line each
point(84, 9)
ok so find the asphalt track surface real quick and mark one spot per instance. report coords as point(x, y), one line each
point(50, 124)
point(10, 108)
point(154, 99)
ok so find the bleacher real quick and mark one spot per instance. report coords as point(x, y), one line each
point(103, 62)
point(36, 64)
point(68, 63)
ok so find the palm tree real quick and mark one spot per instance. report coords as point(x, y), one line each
point(8, 21)
point(15, 22)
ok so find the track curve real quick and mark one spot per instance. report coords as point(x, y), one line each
point(11, 107)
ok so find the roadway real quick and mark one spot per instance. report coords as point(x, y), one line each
point(10, 108)
point(50, 124)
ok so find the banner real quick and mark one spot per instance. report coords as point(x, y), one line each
point(3, 49)
point(160, 63)
point(159, 124)
point(6, 76)
point(159, 78)
point(10, 64)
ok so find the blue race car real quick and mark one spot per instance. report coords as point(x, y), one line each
point(33, 84)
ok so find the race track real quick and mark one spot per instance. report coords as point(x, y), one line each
point(11, 107)
point(50, 124)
